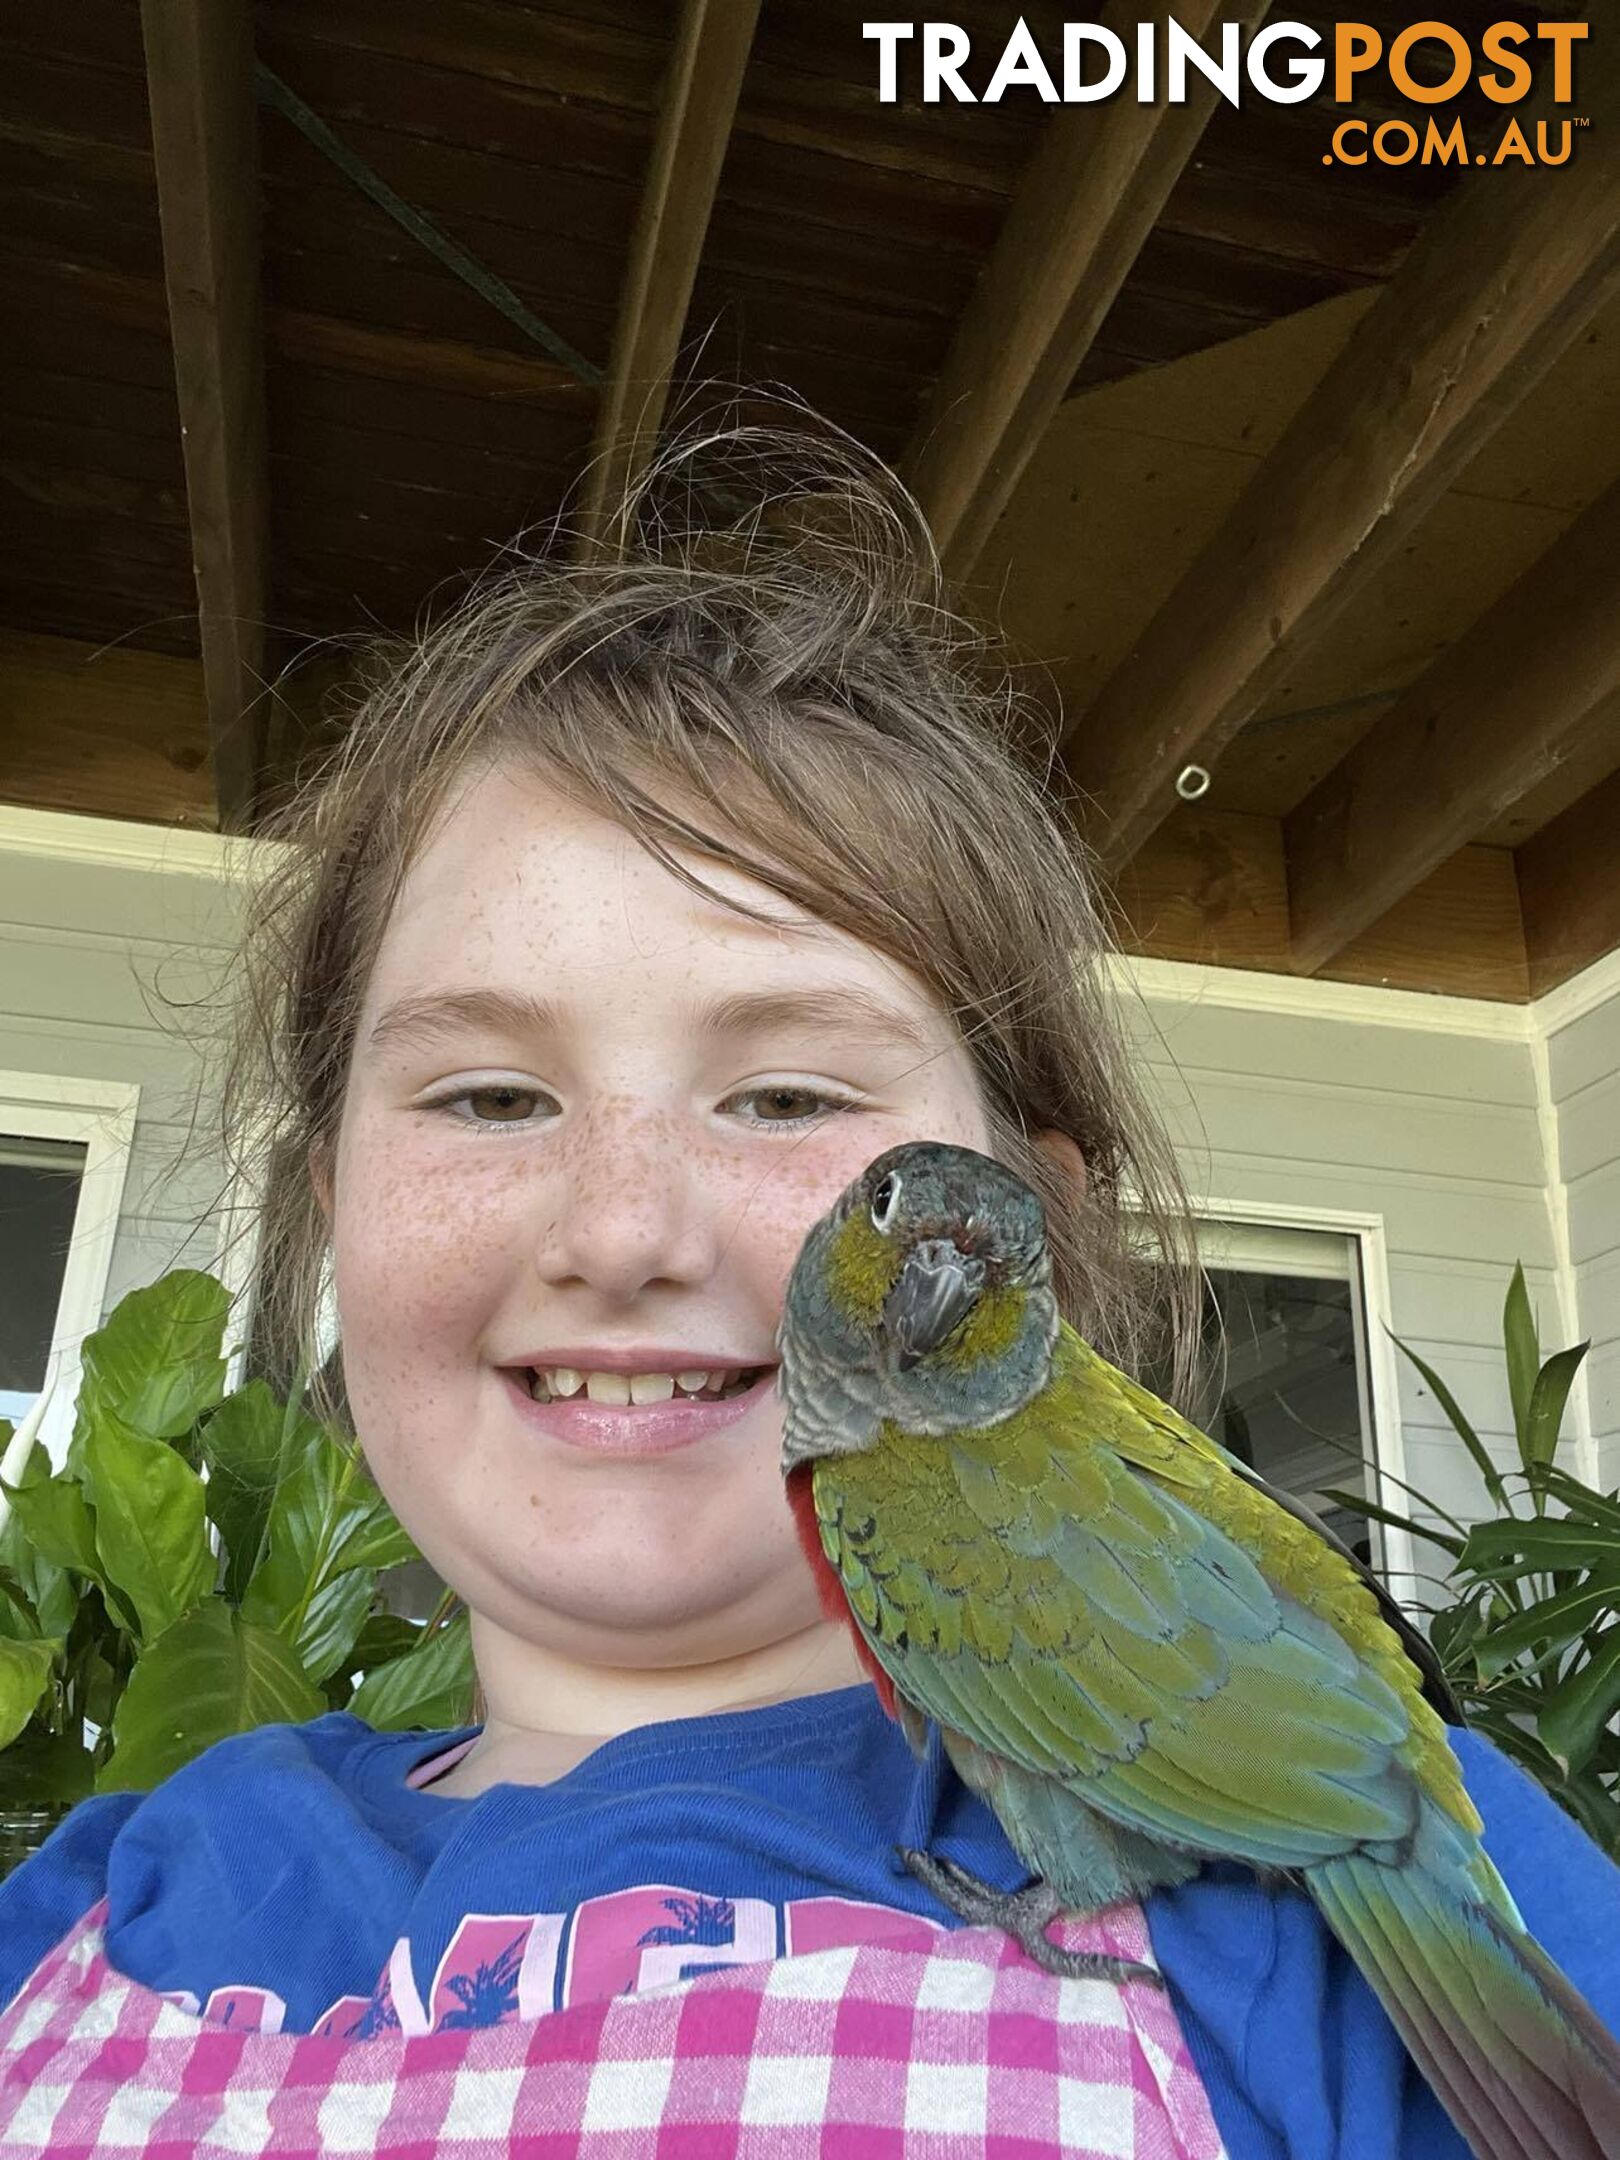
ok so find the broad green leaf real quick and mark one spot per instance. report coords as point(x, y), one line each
point(382, 1541)
point(1523, 1357)
point(44, 1769)
point(101, 1689)
point(1465, 1432)
point(1552, 1624)
point(335, 1617)
point(1594, 1808)
point(1546, 1542)
point(53, 1516)
point(210, 1675)
point(50, 1588)
point(25, 1674)
point(1361, 1505)
point(1547, 1400)
point(55, 1592)
point(1582, 1502)
point(18, 1620)
point(428, 1689)
point(151, 1537)
point(155, 1364)
point(385, 1636)
point(242, 1444)
point(1452, 1630)
point(327, 1518)
point(1584, 1704)
point(1514, 1740)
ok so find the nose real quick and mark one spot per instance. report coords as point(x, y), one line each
point(632, 1208)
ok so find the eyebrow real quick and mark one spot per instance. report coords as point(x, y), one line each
point(851, 1013)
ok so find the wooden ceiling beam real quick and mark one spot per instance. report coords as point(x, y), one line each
point(1491, 718)
point(1211, 887)
point(199, 67)
point(1091, 193)
point(1569, 888)
point(694, 127)
point(103, 728)
point(1506, 274)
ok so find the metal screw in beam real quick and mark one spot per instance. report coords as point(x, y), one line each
point(1192, 782)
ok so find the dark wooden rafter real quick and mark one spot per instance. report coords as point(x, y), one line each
point(1505, 276)
point(1490, 719)
point(1095, 185)
point(1569, 887)
point(1211, 887)
point(699, 103)
point(199, 62)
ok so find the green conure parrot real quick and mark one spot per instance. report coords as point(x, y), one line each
point(1136, 1652)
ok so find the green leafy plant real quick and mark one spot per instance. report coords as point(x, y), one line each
point(117, 1608)
point(1529, 1633)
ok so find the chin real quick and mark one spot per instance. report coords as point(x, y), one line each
point(618, 1612)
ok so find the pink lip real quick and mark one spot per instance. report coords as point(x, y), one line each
point(652, 1429)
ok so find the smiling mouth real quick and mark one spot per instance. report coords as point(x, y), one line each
point(641, 1390)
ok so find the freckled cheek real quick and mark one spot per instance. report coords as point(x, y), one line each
point(418, 1242)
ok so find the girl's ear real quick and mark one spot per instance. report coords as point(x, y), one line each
point(1064, 1151)
point(319, 1160)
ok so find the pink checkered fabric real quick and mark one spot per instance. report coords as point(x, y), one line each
point(860, 2053)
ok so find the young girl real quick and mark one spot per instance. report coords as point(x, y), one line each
point(644, 904)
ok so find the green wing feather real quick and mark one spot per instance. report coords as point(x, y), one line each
point(1140, 1658)
point(1091, 1593)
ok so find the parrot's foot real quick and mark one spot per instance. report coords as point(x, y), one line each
point(1025, 1915)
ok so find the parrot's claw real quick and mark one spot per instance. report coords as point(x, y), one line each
point(1025, 1915)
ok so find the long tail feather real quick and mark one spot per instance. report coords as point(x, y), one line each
point(1516, 2057)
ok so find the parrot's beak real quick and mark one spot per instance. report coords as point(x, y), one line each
point(934, 1290)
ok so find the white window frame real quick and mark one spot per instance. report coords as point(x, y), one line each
point(99, 1116)
point(1366, 1232)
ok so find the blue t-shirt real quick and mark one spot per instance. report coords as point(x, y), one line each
point(291, 1879)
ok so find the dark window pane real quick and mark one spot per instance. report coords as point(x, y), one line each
point(39, 1193)
point(1284, 1391)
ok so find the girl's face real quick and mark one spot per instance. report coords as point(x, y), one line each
point(590, 1118)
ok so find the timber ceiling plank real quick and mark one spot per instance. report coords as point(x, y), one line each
point(105, 730)
point(1569, 888)
point(1211, 887)
point(1092, 191)
point(199, 79)
point(712, 45)
point(1504, 277)
point(1481, 728)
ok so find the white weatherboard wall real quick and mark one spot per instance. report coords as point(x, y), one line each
point(1421, 1111)
point(1583, 1082)
point(101, 951)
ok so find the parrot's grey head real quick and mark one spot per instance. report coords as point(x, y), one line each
point(923, 1296)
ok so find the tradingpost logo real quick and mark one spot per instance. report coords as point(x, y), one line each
point(1429, 64)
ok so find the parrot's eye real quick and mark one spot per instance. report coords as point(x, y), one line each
point(884, 1202)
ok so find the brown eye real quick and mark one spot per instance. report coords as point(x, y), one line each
point(783, 1104)
point(499, 1105)
point(786, 1104)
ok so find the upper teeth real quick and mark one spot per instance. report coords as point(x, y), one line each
point(617, 1387)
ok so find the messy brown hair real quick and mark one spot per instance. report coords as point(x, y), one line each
point(757, 671)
